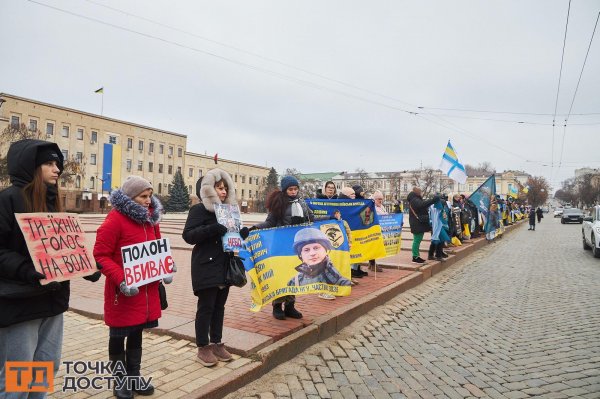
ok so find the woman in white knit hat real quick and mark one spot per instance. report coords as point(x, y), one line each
point(128, 311)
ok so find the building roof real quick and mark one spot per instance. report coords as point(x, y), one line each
point(91, 115)
point(318, 176)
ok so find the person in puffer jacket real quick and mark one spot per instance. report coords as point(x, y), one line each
point(134, 219)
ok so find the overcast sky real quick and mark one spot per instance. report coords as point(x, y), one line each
point(324, 85)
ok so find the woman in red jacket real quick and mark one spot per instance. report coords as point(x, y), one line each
point(128, 310)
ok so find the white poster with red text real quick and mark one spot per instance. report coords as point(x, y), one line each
point(146, 262)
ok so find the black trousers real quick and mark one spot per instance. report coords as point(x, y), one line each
point(438, 249)
point(210, 314)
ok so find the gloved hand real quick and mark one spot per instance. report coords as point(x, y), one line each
point(169, 279)
point(244, 232)
point(53, 286)
point(96, 276)
point(217, 229)
point(128, 291)
point(33, 276)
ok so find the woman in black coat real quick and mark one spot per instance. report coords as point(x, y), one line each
point(418, 218)
point(209, 264)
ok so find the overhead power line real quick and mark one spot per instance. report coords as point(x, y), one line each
point(576, 89)
point(562, 59)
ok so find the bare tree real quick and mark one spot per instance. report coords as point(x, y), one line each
point(538, 190)
point(363, 177)
point(482, 169)
point(395, 184)
point(73, 167)
point(429, 180)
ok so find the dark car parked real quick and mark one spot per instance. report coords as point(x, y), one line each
point(572, 215)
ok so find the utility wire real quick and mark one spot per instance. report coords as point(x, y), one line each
point(250, 66)
point(576, 89)
point(496, 112)
point(562, 58)
point(260, 56)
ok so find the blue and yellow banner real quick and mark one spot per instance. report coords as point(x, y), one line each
point(391, 230)
point(485, 200)
point(297, 260)
point(111, 167)
point(367, 241)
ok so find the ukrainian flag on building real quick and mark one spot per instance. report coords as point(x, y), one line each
point(451, 167)
point(111, 167)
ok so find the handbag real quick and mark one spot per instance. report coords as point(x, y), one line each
point(162, 294)
point(423, 219)
point(236, 273)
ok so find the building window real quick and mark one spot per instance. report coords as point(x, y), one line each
point(92, 183)
point(191, 172)
point(79, 133)
point(470, 187)
point(141, 145)
point(242, 193)
point(235, 179)
point(243, 178)
point(140, 166)
point(199, 173)
point(79, 157)
point(77, 202)
point(129, 143)
point(170, 150)
point(405, 187)
point(94, 137)
point(15, 122)
point(161, 149)
point(249, 193)
point(180, 152)
point(150, 166)
point(160, 168)
point(128, 165)
point(159, 188)
point(150, 148)
point(168, 188)
point(170, 169)
point(65, 154)
point(189, 189)
point(179, 169)
point(65, 131)
point(92, 159)
point(49, 129)
point(33, 125)
point(112, 139)
point(78, 182)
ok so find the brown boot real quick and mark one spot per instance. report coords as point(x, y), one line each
point(221, 353)
point(206, 357)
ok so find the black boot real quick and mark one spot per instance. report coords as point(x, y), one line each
point(134, 362)
point(290, 310)
point(278, 312)
point(119, 373)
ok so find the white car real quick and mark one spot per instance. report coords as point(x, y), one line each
point(590, 231)
point(558, 212)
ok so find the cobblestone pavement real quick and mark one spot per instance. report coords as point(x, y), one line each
point(519, 318)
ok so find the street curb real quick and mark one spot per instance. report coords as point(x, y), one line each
point(326, 326)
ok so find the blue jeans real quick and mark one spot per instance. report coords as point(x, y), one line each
point(33, 340)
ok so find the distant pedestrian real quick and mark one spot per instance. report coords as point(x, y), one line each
point(532, 219)
point(418, 219)
point(540, 214)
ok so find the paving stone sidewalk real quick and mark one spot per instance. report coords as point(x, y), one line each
point(519, 318)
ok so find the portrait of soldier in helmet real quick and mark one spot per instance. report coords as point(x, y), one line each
point(312, 247)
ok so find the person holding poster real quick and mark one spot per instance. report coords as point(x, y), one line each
point(31, 314)
point(209, 264)
point(418, 219)
point(380, 210)
point(134, 219)
point(285, 208)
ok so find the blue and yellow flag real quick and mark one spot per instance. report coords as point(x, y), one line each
point(367, 241)
point(513, 191)
point(297, 260)
point(451, 166)
point(111, 167)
